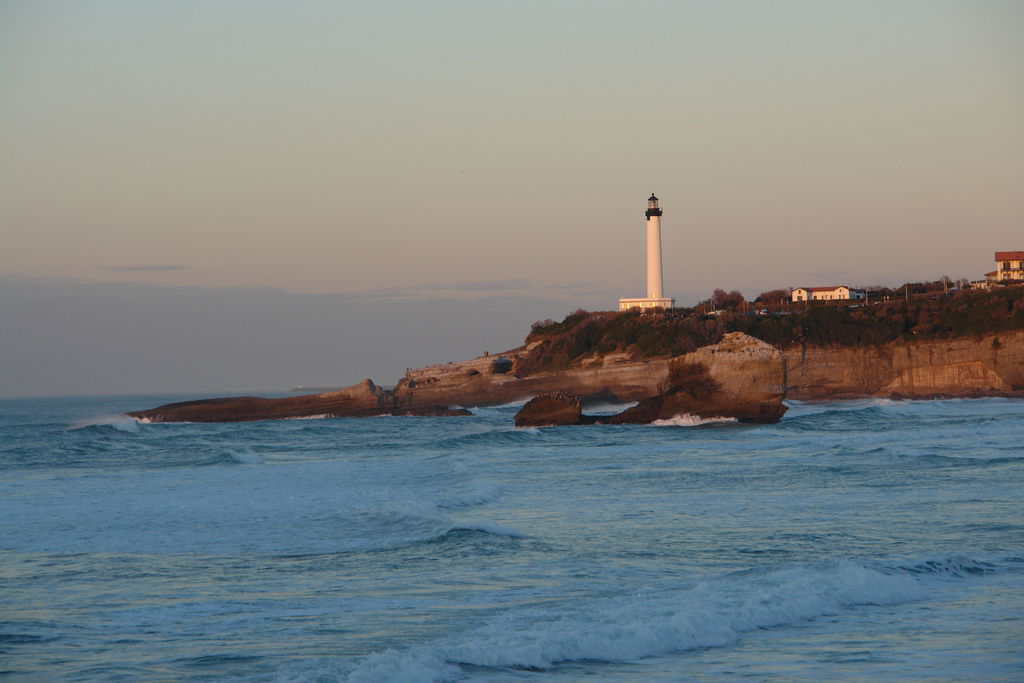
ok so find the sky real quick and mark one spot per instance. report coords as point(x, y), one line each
point(248, 195)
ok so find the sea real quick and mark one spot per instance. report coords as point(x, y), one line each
point(868, 540)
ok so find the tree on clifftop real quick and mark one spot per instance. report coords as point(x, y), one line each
point(727, 300)
point(774, 297)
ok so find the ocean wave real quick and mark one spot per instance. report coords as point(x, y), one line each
point(811, 407)
point(411, 524)
point(956, 566)
point(688, 420)
point(242, 456)
point(647, 623)
point(490, 528)
point(473, 534)
point(469, 493)
point(499, 436)
point(841, 419)
point(952, 407)
point(121, 423)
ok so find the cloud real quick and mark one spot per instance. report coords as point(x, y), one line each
point(483, 286)
point(136, 269)
point(466, 286)
point(573, 285)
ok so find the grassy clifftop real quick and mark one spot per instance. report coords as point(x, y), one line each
point(667, 333)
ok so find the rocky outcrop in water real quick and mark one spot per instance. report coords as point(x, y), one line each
point(361, 400)
point(740, 378)
point(556, 409)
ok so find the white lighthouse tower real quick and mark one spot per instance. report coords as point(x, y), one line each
point(655, 296)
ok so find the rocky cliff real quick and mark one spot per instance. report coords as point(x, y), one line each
point(749, 378)
point(988, 365)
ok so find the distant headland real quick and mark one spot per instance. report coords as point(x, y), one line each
point(723, 358)
point(736, 361)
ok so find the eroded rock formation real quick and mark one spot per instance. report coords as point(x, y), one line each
point(740, 377)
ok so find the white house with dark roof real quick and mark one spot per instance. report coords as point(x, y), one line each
point(840, 293)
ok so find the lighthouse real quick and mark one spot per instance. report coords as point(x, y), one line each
point(655, 296)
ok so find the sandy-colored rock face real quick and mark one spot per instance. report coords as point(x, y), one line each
point(992, 365)
point(740, 377)
point(746, 370)
point(474, 384)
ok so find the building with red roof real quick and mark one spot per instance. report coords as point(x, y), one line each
point(1009, 267)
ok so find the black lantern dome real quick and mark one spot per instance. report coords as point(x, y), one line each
point(652, 206)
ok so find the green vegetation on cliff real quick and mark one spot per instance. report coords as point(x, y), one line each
point(668, 333)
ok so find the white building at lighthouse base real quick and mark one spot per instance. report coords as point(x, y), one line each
point(643, 304)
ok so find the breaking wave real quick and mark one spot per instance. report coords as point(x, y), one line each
point(121, 423)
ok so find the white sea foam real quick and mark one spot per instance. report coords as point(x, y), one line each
point(801, 408)
point(688, 420)
point(607, 408)
point(408, 665)
point(493, 410)
point(322, 416)
point(647, 623)
point(151, 421)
